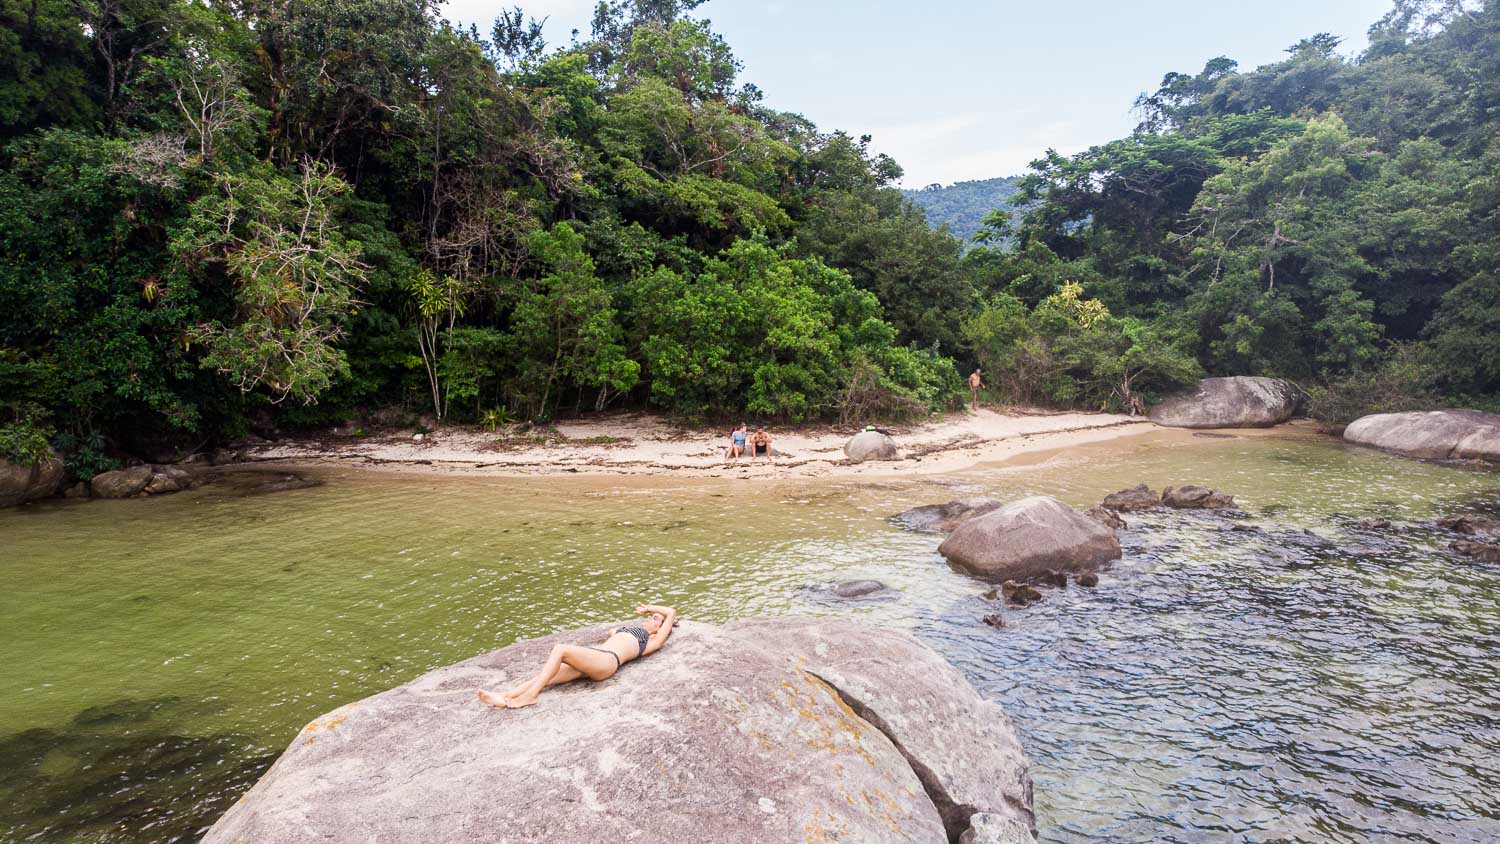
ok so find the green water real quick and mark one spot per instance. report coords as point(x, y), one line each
point(160, 652)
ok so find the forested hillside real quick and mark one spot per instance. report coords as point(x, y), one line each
point(962, 206)
point(1320, 218)
point(212, 211)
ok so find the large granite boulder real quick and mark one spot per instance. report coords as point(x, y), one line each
point(871, 445)
point(27, 481)
point(1234, 402)
point(765, 730)
point(945, 518)
point(1434, 434)
point(122, 483)
point(1028, 539)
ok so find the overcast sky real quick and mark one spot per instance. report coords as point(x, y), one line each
point(957, 91)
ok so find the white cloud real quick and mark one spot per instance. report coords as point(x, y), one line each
point(971, 145)
point(562, 15)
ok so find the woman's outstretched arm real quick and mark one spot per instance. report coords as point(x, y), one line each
point(659, 638)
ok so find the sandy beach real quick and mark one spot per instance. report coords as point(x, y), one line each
point(642, 444)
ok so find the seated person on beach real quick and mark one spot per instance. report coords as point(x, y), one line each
point(569, 662)
point(737, 439)
point(760, 443)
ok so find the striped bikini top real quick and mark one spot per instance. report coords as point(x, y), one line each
point(640, 634)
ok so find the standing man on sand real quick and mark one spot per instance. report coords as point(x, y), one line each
point(976, 383)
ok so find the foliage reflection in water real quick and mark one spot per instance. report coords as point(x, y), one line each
point(1258, 685)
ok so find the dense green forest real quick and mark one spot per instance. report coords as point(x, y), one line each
point(962, 206)
point(214, 213)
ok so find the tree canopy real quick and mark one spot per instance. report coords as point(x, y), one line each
point(213, 211)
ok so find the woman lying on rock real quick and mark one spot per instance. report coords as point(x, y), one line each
point(569, 662)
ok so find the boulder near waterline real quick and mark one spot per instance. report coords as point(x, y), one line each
point(945, 518)
point(871, 445)
point(122, 483)
point(1194, 497)
point(1233, 402)
point(1139, 497)
point(25, 482)
point(1028, 538)
point(766, 730)
point(1432, 434)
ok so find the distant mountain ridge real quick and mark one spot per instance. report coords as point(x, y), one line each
point(962, 205)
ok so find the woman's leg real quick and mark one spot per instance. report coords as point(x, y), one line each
point(565, 664)
point(565, 674)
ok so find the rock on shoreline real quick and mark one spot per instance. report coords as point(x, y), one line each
point(1233, 402)
point(762, 730)
point(22, 482)
point(1453, 434)
point(871, 445)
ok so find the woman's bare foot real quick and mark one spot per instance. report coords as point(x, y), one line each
point(523, 699)
point(497, 701)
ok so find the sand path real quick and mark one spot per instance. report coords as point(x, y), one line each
point(643, 444)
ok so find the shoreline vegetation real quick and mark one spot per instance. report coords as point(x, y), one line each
point(274, 215)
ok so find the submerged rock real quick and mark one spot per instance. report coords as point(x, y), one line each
point(26, 482)
point(1106, 517)
point(1471, 525)
point(1026, 538)
point(1489, 552)
point(764, 730)
point(1140, 497)
point(871, 445)
point(1374, 524)
point(857, 588)
point(995, 620)
point(1020, 594)
point(1194, 497)
point(945, 518)
point(1234, 402)
point(1433, 434)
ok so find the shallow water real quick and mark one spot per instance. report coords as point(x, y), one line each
point(1218, 686)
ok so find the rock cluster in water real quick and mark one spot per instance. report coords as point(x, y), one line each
point(1432, 434)
point(1483, 536)
point(762, 730)
point(1233, 402)
point(1185, 497)
point(47, 478)
point(1041, 541)
point(141, 480)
